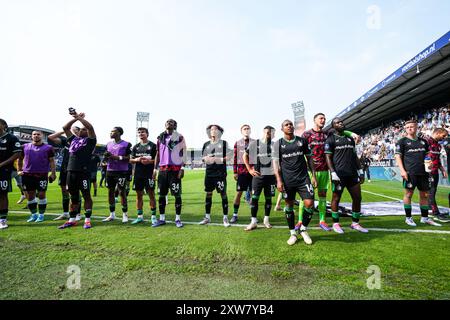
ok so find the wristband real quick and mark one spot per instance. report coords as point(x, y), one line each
point(120, 158)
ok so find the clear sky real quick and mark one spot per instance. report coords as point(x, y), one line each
point(201, 61)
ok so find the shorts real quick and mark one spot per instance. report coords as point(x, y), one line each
point(305, 190)
point(141, 184)
point(216, 183)
point(62, 180)
point(116, 179)
point(78, 181)
point(93, 177)
point(323, 180)
point(422, 182)
point(169, 180)
point(346, 182)
point(244, 181)
point(5, 181)
point(34, 183)
point(266, 183)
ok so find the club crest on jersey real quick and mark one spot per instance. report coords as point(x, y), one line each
point(300, 144)
point(17, 144)
point(4, 141)
point(422, 142)
point(408, 143)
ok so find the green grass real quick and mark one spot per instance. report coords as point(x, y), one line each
point(210, 262)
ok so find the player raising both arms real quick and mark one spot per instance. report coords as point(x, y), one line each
point(80, 152)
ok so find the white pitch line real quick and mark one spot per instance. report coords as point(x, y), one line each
point(276, 227)
point(382, 195)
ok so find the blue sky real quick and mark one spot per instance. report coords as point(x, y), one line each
point(202, 61)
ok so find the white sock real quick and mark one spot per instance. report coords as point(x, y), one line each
point(266, 219)
point(112, 214)
point(65, 214)
point(140, 216)
point(293, 233)
point(235, 214)
point(162, 217)
point(87, 220)
point(208, 216)
point(254, 220)
point(72, 220)
point(177, 217)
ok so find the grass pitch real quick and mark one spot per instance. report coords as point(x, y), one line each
point(211, 262)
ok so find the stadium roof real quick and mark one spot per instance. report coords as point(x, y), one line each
point(422, 81)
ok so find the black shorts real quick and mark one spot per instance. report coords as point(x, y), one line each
point(216, 183)
point(62, 180)
point(116, 179)
point(422, 182)
point(169, 180)
point(346, 182)
point(244, 181)
point(78, 181)
point(34, 183)
point(5, 181)
point(141, 184)
point(93, 177)
point(305, 190)
point(266, 183)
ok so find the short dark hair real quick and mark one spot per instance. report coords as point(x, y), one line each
point(208, 129)
point(269, 128)
point(318, 114)
point(3, 122)
point(119, 129)
point(143, 129)
point(245, 125)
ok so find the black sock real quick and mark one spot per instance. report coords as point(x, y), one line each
point(178, 205)
point(225, 206)
point(3, 213)
point(88, 213)
point(408, 210)
point(79, 207)
point(65, 203)
point(254, 207)
point(268, 207)
point(424, 211)
point(33, 207)
point(208, 204)
point(290, 217)
point(236, 208)
point(162, 204)
point(42, 208)
point(307, 215)
point(112, 208)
